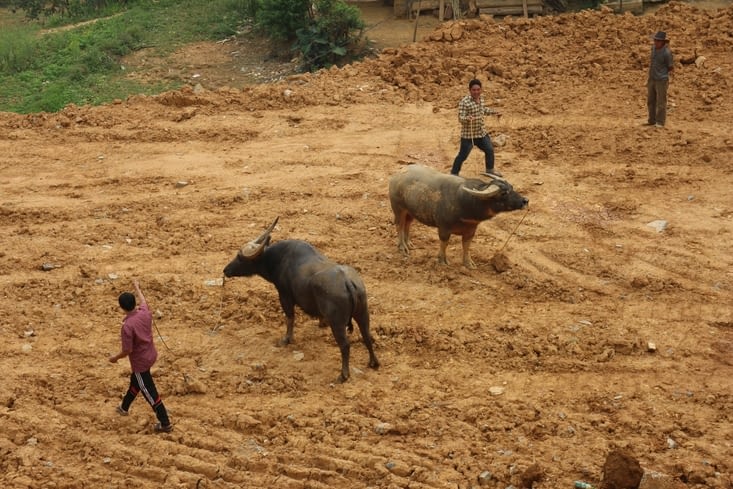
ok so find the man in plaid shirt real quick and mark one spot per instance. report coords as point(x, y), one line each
point(471, 113)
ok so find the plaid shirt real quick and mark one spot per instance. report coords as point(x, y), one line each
point(472, 129)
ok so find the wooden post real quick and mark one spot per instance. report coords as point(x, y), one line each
point(441, 6)
point(524, 8)
point(417, 16)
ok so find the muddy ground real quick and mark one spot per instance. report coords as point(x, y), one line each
point(611, 329)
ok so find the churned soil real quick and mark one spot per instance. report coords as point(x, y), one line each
point(599, 320)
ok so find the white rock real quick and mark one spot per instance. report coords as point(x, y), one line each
point(499, 140)
point(660, 225)
point(298, 355)
point(383, 428)
point(26, 348)
point(485, 477)
point(214, 282)
point(651, 347)
point(496, 390)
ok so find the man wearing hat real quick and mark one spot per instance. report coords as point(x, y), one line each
point(658, 82)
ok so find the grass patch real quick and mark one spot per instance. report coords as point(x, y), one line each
point(47, 70)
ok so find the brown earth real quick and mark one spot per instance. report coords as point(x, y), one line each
point(528, 377)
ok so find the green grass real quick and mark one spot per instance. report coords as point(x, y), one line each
point(47, 70)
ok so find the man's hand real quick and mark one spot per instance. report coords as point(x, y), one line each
point(113, 359)
point(140, 297)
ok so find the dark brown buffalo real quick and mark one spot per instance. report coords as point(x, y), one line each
point(305, 278)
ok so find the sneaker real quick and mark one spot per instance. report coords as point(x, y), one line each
point(492, 173)
point(159, 428)
point(121, 411)
point(658, 125)
point(648, 124)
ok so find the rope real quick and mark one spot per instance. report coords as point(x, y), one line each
point(161, 338)
point(514, 231)
point(221, 303)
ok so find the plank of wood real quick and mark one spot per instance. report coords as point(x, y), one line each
point(506, 3)
point(425, 5)
point(516, 10)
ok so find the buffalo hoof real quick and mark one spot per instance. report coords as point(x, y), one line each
point(284, 341)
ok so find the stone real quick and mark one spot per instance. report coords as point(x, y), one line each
point(621, 471)
point(530, 476)
point(659, 225)
point(657, 480)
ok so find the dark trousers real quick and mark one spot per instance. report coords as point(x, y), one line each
point(142, 382)
point(656, 101)
point(484, 144)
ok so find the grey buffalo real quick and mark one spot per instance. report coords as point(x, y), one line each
point(453, 204)
point(305, 278)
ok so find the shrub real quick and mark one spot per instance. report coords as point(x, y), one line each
point(333, 35)
point(281, 19)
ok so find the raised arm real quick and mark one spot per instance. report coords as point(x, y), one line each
point(140, 297)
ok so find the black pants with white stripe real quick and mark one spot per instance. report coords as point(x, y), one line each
point(142, 382)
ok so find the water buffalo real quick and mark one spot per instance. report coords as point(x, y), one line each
point(453, 204)
point(323, 289)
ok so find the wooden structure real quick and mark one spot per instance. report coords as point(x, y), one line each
point(510, 7)
point(526, 8)
point(411, 8)
point(620, 6)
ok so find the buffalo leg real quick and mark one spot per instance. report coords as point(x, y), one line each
point(288, 338)
point(339, 333)
point(362, 319)
point(289, 310)
point(403, 221)
point(408, 223)
point(444, 237)
point(467, 261)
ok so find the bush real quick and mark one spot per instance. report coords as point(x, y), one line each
point(281, 19)
point(333, 36)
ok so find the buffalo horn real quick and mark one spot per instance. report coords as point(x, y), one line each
point(489, 191)
point(494, 177)
point(254, 248)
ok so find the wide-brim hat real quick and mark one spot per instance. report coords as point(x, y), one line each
point(660, 36)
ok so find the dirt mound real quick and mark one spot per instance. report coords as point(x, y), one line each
point(598, 320)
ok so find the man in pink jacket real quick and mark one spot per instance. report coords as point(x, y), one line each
point(138, 345)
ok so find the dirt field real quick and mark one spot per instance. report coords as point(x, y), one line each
point(486, 377)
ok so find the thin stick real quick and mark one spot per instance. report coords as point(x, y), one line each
point(417, 17)
point(221, 302)
point(514, 231)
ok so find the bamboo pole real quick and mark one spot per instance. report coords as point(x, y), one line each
point(417, 16)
